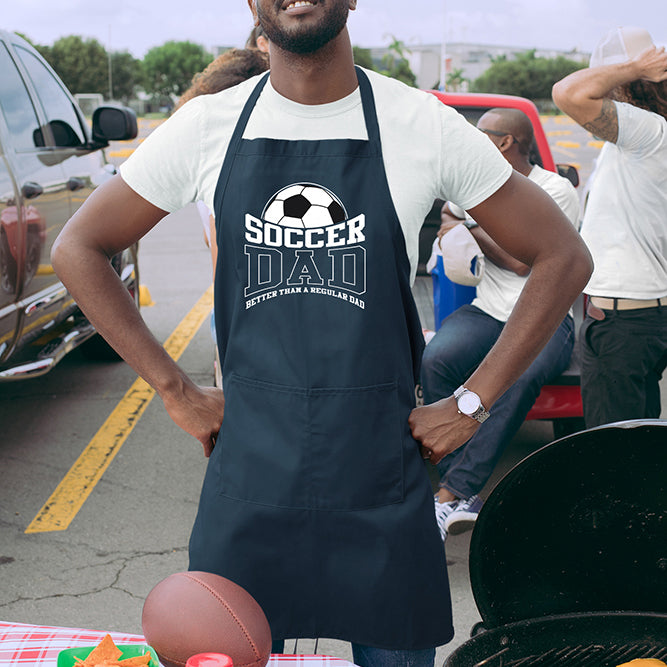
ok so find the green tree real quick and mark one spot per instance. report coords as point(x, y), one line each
point(396, 65)
point(168, 69)
point(455, 80)
point(526, 76)
point(362, 57)
point(126, 75)
point(82, 64)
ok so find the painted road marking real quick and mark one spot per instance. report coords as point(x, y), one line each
point(70, 495)
point(123, 152)
point(568, 144)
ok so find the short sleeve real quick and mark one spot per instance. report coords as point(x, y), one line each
point(639, 131)
point(164, 167)
point(472, 167)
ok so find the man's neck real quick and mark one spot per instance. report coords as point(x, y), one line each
point(318, 78)
point(521, 164)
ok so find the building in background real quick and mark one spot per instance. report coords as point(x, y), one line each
point(472, 60)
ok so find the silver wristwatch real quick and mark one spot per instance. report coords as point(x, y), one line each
point(470, 404)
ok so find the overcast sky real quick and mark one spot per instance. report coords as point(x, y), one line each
point(136, 26)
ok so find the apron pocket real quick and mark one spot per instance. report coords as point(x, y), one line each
point(292, 447)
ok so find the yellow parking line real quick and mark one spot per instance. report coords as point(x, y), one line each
point(568, 144)
point(123, 152)
point(70, 495)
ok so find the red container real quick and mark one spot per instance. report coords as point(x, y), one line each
point(209, 660)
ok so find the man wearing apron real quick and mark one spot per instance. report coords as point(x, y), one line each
point(316, 499)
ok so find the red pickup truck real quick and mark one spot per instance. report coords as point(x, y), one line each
point(559, 402)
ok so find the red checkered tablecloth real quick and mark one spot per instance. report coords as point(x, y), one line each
point(38, 645)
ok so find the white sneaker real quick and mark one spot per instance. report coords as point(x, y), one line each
point(442, 513)
point(463, 516)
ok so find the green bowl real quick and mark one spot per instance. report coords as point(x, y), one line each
point(67, 657)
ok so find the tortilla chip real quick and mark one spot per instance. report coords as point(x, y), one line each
point(138, 661)
point(105, 652)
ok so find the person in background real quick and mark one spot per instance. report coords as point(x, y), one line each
point(258, 39)
point(622, 99)
point(316, 498)
point(466, 335)
point(228, 69)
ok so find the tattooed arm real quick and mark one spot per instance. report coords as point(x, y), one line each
point(584, 95)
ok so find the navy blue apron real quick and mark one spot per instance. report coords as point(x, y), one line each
point(316, 499)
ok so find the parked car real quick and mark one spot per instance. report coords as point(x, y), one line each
point(50, 161)
point(560, 401)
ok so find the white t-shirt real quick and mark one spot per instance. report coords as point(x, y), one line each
point(625, 222)
point(430, 151)
point(500, 288)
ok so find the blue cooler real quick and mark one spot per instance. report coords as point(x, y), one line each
point(447, 296)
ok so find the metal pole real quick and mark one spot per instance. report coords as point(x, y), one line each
point(443, 48)
point(110, 68)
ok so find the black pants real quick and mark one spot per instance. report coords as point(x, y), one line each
point(623, 357)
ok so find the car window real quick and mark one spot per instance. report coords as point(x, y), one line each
point(16, 105)
point(60, 113)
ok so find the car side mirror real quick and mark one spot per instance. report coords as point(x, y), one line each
point(114, 123)
point(570, 172)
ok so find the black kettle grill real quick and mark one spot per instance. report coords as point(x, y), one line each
point(568, 559)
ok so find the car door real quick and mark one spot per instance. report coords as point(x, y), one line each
point(44, 198)
point(83, 169)
point(9, 232)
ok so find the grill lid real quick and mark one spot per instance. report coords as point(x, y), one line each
point(578, 526)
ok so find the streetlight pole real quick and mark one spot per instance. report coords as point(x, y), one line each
point(110, 68)
point(443, 48)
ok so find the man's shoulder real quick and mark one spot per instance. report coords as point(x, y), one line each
point(640, 130)
point(546, 178)
point(399, 93)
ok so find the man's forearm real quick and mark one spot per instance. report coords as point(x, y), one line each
point(536, 315)
point(101, 295)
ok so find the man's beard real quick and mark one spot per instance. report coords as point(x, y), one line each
point(303, 41)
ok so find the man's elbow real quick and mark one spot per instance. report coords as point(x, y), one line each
point(564, 96)
point(557, 94)
point(63, 253)
point(580, 265)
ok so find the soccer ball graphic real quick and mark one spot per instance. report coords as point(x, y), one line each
point(304, 205)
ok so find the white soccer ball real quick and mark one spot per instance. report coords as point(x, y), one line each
point(304, 205)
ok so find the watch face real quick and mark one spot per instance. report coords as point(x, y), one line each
point(468, 403)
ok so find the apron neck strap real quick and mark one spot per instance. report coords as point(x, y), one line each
point(367, 103)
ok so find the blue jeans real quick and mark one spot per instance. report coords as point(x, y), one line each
point(367, 656)
point(463, 340)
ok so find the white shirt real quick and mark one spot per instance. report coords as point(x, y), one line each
point(499, 289)
point(625, 222)
point(430, 151)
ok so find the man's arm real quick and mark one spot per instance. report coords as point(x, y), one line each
point(530, 226)
point(113, 218)
point(583, 95)
point(492, 251)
